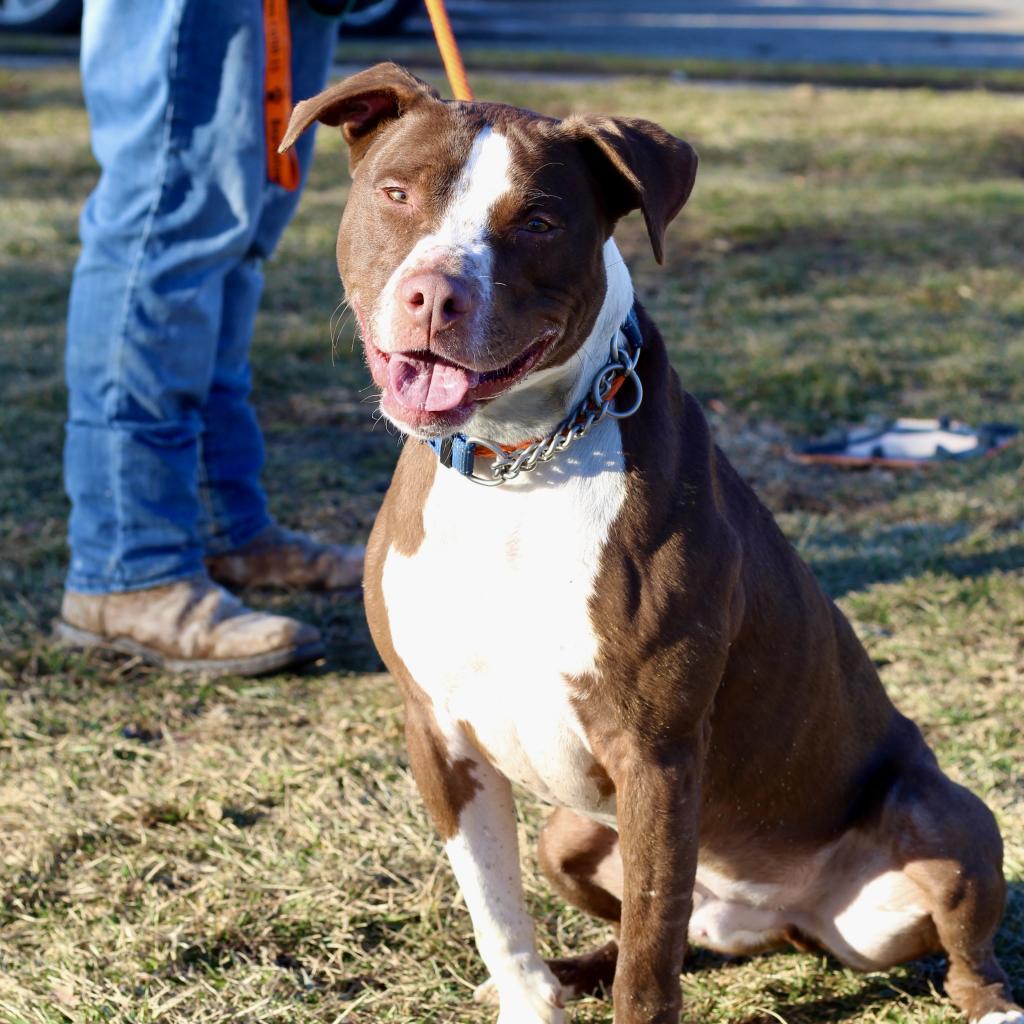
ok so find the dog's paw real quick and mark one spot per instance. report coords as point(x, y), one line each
point(1002, 1017)
point(527, 994)
point(528, 1012)
point(487, 994)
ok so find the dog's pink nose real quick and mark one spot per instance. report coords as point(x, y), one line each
point(434, 301)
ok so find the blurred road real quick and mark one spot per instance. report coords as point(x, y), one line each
point(947, 33)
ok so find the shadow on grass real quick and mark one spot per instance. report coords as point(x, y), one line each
point(23, 93)
point(350, 647)
point(842, 575)
point(878, 992)
point(951, 522)
point(914, 981)
point(32, 294)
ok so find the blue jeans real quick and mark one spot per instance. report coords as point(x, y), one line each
point(163, 451)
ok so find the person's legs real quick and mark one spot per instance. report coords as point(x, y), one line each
point(174, 91)
point(244, 548)
point(232, 446)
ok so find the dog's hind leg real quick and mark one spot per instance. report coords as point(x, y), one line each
point(936, 886)
point(580, 858)
point(961, 875)
point(581, 861)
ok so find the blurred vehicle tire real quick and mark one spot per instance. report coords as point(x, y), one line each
point(40, 15)
point(368, 17)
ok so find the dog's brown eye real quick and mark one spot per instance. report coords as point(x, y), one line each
point(537, 225)
point(397, 195)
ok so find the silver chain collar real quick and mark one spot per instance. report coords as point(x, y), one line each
point(591, 409)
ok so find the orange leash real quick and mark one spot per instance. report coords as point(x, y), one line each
point(449, 48)
point(282, 168)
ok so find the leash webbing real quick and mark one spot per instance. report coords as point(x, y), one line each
point(450, 55)
point(282, 168)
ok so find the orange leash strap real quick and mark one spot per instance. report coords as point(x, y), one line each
point(453, 65)
point(282, 168)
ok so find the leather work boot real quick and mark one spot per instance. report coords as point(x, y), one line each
point(283, 558)
point(188, 626)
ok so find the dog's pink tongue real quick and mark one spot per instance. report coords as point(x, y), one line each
point(426, 386)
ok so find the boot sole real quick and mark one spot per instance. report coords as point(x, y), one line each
point(259, 664)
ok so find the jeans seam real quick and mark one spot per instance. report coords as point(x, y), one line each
point(116, 570)
point(203, 493)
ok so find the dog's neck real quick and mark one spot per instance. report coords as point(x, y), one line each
point(535, 407)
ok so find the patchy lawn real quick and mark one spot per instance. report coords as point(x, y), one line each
point(190, 851)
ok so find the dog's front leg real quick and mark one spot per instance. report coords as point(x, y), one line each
point(471, 803)
point(659, 802)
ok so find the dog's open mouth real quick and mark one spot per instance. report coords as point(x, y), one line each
point(421, 387)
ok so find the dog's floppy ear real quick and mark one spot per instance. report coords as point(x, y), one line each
point(360, 104)
point(639, 165)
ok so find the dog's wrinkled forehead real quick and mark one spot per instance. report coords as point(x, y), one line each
point(430, 151)
point(472, 155)
point(462, 183)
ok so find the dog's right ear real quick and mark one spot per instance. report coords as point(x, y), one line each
point(360, 105)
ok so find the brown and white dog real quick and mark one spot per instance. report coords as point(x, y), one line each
point(623, 630)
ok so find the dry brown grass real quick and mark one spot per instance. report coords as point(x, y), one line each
point(187, 851)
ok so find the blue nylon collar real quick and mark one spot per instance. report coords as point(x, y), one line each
point(458, 452)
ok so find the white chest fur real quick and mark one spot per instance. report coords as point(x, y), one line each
point(491, 615)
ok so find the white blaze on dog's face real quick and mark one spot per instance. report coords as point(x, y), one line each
point(447, 275)
point(473, 244)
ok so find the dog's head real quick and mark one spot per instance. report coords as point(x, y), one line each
point(473, 245)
